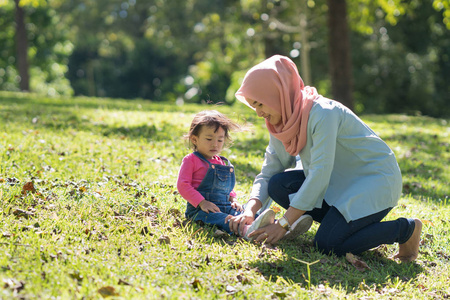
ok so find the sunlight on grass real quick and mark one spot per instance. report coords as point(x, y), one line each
point(101, 215)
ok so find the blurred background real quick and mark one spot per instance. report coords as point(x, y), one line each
point(382, 56)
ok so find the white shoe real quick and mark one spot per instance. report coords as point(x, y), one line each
point(267, 217)
point(299, 227)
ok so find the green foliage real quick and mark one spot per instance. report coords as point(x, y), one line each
point(403, 66)
point(444, 6)
point(49, 49)
point(198, 50)
point(102, 217)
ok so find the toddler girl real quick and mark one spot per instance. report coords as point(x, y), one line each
point(206, 179)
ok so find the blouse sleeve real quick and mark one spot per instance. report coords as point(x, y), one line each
point(324, 131)
point(184, 183)
point(272, 165)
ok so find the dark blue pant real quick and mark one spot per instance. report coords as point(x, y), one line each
point(217, 219)
point(335, 235)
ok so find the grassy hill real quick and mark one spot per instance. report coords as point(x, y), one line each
point(89, 209)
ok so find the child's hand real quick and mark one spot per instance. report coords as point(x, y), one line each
point(237, 206)
point(208, 206)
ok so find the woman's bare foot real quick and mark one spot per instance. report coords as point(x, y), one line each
point(409, 250)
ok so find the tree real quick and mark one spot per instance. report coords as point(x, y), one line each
point(22, 47)
point(34, 47)
point(339, 53)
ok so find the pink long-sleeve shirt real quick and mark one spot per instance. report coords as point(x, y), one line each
point(191, 174)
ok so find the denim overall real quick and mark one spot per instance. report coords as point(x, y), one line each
point(215, 187)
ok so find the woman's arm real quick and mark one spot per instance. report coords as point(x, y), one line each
point(324, 128)
point(276, 160)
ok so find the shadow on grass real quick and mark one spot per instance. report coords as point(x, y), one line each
point(331, 270)
point(425, 160)
point(328, 270)
point(80, 102)
point(65, 114)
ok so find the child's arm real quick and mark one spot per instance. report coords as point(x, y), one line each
point(184, 183)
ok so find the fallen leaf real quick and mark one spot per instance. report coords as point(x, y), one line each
point(196, 284)
point(6, 234)
point(219, 233)
point(13, 284)
point(359, 264)
point(230, 290)
point(279, 294)
point(28, 187)
point(107, 291)
point(243, 279)
point(175, 212)
point(22, 213)
point(164, 239)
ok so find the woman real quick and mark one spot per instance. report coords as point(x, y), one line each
point(350, 178)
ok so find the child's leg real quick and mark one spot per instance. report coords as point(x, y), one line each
point(217, 219)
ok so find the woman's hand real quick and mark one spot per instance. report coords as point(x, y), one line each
point(269, 234)
point(238, 222)
point(208, 206)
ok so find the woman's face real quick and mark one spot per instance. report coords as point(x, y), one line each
point(263, 111)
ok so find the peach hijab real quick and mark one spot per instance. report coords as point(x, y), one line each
point(276, 83)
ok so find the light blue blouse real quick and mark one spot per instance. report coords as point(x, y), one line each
point(344, 161)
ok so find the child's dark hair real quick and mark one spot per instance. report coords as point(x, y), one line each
point(211, 118)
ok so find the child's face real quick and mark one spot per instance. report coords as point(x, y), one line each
point(208, 142)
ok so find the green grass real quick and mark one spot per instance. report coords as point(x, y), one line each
point(105, 217)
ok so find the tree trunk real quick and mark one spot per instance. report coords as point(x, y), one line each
point(339, 53)
point(22, 48)
point(305, 48)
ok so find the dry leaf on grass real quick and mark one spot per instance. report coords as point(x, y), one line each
point(13, 284)
point(28, 187)
point(219, 233)
point(107, 291)
point(359, 264)
point(20, 213)
point(164, 239)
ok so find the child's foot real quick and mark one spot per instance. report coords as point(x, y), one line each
point(409, 250)
point(299, 227)
point(267, 217)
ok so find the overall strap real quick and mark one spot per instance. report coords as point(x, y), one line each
point(196, 153)
point(225, 160)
